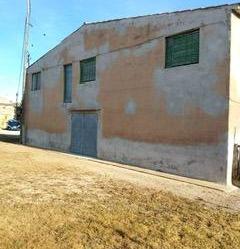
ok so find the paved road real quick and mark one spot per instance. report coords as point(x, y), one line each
point(9, 136)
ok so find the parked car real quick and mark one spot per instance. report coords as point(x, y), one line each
point(13, 125)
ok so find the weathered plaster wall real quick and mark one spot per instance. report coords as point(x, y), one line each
point(173, 120)
point(234, 91)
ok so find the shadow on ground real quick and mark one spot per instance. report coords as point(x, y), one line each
point(10, 136)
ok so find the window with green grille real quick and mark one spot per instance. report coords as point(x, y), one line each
point(67, 83)
point(182, 49)
point(88, 70)
point(36, 81)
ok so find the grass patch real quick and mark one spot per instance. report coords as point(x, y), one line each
point(52, 203)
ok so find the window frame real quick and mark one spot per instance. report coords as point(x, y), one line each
point(85, 61)
point(177, 35)
point(65, 100)
point(36, 86)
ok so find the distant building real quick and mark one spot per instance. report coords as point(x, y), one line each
point(159, 91)
point(7, 109)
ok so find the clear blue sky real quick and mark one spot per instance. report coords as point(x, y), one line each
point(58, 18)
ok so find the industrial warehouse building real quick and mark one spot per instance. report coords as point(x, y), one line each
point(159, 91)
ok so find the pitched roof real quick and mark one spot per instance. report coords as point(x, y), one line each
point(163, 13)
point(233, 5)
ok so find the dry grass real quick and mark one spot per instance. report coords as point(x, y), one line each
point(54, 202)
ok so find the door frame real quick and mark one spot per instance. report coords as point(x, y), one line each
point(98, 112)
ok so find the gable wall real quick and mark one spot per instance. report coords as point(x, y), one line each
point(173, 120)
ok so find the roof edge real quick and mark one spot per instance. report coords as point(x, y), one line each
point(165, 13)
point(134, 17)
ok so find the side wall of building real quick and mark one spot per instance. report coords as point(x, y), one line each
point(172, 120)
point(234, 91)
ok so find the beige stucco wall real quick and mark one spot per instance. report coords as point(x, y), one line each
point(173, 120)
point(6, 113)
point(234, 91)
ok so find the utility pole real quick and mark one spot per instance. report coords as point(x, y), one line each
point(25, 63)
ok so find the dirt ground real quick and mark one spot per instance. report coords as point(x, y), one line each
point(57, 201)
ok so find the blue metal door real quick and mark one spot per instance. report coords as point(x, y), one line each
point(84, 133)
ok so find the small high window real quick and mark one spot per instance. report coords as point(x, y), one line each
point(36, 81)
point(68, 83)
point(88, 70)
point(182, 49)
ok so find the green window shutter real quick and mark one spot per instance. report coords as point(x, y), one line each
point(88, 70)
point(36, 81)
point(182, 49)
point(33, 82)
point(67, 83)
